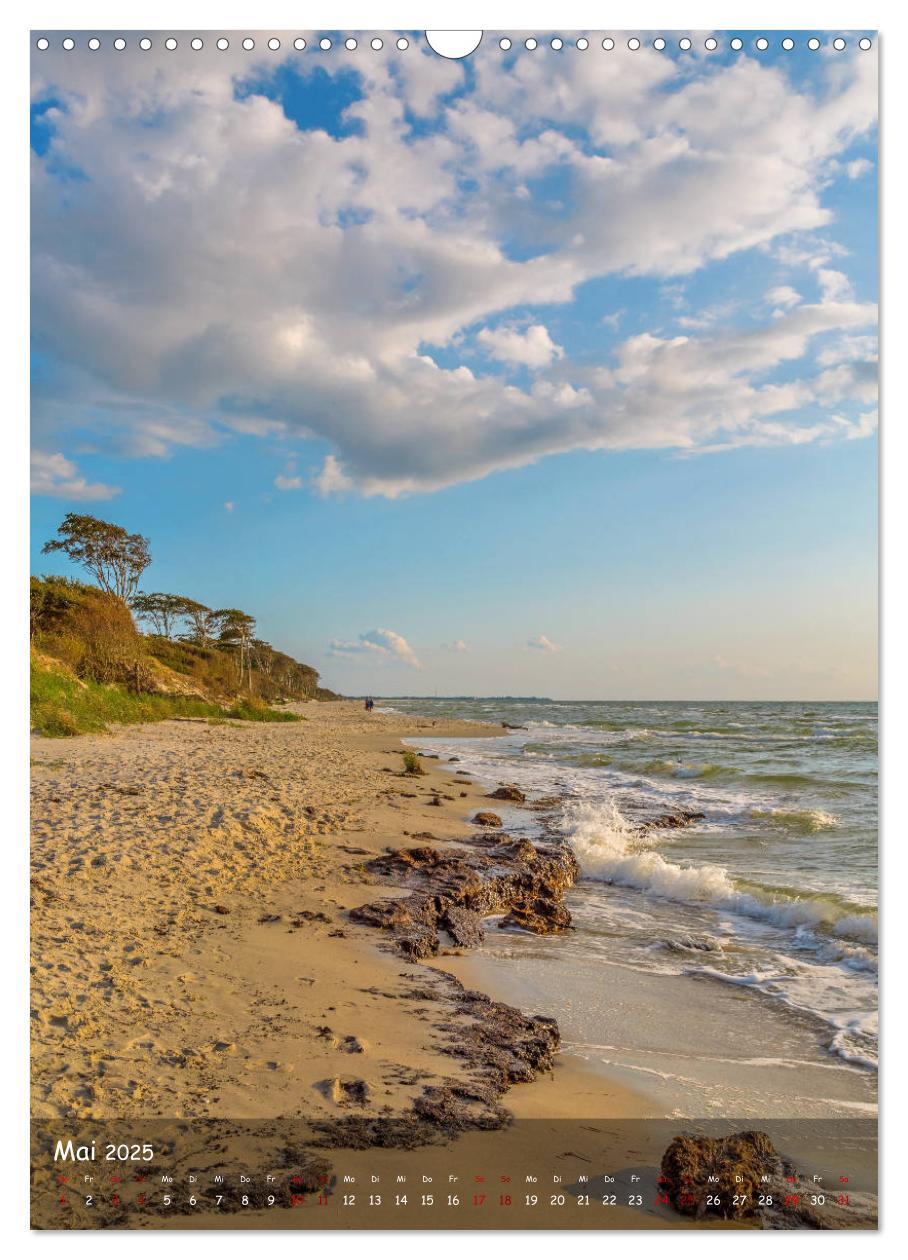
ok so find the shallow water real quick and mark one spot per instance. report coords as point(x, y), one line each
point(770, 897)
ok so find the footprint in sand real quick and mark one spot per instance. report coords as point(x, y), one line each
point(344, 1091)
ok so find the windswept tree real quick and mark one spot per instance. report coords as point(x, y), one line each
point(161, 611)
point(113, 557)
point(164, 612)
point(199, 616)
point(235, 632)
point(263, 656)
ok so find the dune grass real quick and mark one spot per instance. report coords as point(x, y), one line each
point(62, 705)
point(247, 709)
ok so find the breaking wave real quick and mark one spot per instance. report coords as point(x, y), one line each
point(611, 849)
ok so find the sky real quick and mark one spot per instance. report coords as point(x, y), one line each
point(546, 372)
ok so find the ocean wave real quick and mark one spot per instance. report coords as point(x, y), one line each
point(807, 821)
point(854, 1038)
point(681, 770)
point(609, 848)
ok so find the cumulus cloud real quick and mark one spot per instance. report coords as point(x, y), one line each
point(532, 347)
point(834, 285)
point(783, 295)
point(542, 643)
point(859, 167)
point(58, 477)
point(385, 645)
point(220, 267)
point(332, 479)
point(458, 645)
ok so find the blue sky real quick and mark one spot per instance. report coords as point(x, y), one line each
point(553, 373)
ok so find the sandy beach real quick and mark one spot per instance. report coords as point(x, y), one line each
point(195, 959)
point(192, 956)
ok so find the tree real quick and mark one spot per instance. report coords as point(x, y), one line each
point(163, 612)
point(114, 558)
point(199, 617)
point(160, 610)
point(235, 630)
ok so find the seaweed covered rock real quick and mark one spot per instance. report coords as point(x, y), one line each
point(543, 916)
point(507, 792)
point(456, 888)
point(743, 1177)
point(705, 1176)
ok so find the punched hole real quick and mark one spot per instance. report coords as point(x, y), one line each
point(451, 44)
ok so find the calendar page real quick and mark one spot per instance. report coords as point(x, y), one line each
point(453, 630)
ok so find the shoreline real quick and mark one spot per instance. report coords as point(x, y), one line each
point(196, 859)
point(195, 955)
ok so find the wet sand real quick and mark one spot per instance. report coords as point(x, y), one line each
point(193, 958)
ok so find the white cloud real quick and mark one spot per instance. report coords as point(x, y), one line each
point(542, 643)
point(458, 645)
point(533, 348)
point(229, 506)
point(783, 295)
point(222, 268)
point(857, 168)
point(331, 479)
point(834, 285)
point(379, 644)
point(288, 483)
point(58, 477)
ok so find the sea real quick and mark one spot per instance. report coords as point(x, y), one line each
point(748, 937)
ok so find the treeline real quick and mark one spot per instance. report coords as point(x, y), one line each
point(92, 627)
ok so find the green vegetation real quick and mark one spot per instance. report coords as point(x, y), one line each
point(412, 763)
point(64, 705)
point(250, 710)
point(94, 666)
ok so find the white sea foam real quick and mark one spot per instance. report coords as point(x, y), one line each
point(802, 989)
point(609, 848)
